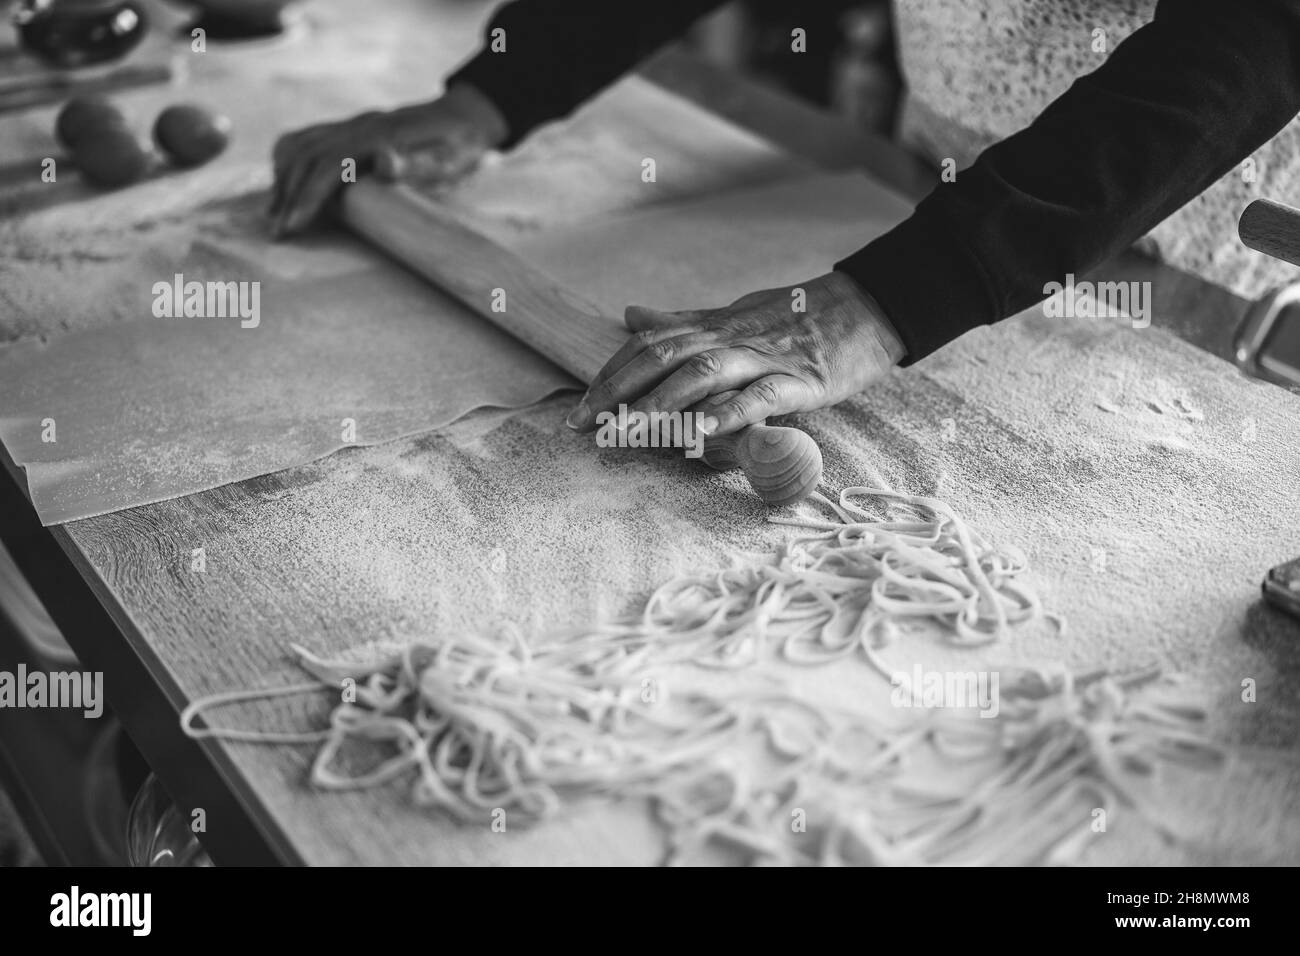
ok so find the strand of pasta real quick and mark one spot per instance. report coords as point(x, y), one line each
point(199, 706)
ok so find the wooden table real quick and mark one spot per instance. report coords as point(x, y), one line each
point(117, 588)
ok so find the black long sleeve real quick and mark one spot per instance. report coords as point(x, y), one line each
point(1172, 109)
point(560, 52)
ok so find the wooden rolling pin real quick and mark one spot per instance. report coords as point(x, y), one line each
point(1273, 228)
point(783, 465)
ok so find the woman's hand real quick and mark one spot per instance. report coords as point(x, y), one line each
point(780, 357)
point(446, 137)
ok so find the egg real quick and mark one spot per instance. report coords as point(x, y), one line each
point(191, 134)
point(111, 156)
point(85, 115)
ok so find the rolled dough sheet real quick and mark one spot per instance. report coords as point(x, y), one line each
point(592, 164)
point(708, 252)
point(152, 409)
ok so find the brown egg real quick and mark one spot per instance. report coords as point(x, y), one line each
point(110, 157)
point(83, 115)
point(191, 134)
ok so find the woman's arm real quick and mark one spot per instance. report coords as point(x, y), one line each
point(556, 54)
point(1174, 108)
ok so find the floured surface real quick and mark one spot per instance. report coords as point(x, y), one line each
point(511, 517)
point(155, 408)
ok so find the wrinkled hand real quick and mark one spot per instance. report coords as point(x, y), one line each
point(780, 360)
point(447, 137)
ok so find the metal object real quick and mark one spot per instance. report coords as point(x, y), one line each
point(1268, 341)
point(228, 20)
point(73, 33)
point(1281, 587)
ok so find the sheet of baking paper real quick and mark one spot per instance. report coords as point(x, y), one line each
point(156, 408)
point(708, 252)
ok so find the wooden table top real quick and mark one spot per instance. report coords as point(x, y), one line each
point(277, 551)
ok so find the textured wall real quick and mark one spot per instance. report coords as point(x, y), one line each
point(979, 70)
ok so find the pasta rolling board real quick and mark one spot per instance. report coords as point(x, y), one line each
point(1120, 460)
point(1146, 482)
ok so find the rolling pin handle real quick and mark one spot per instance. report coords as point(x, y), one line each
point(784, 465)
point(1272, 228)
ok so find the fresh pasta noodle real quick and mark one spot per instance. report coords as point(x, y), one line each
point(1062, 748)
point(848, 584)
point(487, 723)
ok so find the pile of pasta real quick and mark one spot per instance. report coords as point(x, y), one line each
point(485, 725)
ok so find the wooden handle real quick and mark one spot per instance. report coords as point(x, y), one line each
point(783, 465)
point(1273, 228)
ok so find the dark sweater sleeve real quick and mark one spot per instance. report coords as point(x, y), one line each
point(560, 52)
point(1173, 109)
